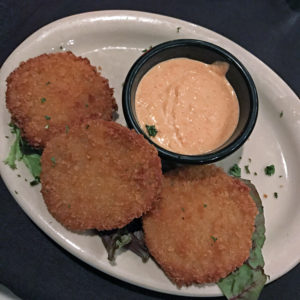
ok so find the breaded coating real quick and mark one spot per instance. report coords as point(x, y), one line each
point(99, 175)
point(49, 92)
point(201, 229)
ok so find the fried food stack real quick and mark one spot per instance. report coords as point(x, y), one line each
point(198, 221)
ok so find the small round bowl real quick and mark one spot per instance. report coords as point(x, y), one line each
point(237, 75)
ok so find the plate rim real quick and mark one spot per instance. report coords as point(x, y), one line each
point(99, 16)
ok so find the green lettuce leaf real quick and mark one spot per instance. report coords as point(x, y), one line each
point(15, 151)
point(21, 151)
point(247, 281)
point(130, 237)
point(33, 163)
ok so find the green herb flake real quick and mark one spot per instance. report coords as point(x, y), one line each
point(43, 100)
point(275, 195)
point(16, 192)
point(47, 118)
point(281, 114)
point(87, 126)
point(270, 170)
point(19, 175)
point(53, 161)
point(255, 173)
point(214, 238)
point(247, 169)
point(48, 82)
point(235, 171)
point(67, 129)
point(7, 137)
point(146, 50)
point(178, 29)
point(249, 159)
point(152, 131)
point(69, 205)
point(205, 205)
point(86, 105)
point(34, 182)
point(182, 208)
point(280, 176)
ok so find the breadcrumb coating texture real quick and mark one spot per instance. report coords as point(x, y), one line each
point(99, 175)
point(49, 92)
point(201, 230)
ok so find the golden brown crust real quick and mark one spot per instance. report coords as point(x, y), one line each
point(99, 175)
point(201, 229)
point(49, 92)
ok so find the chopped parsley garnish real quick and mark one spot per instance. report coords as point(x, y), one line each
point(67, 129)
point(86, 105)
point(247, 169)
point(178, 29)
point(34, 182)
point(6, 136)
point(47, 118)
point(87, 126)
point(235, 171)
point(205, 205)
point(152, 131)
point(43, 100)
point(48, 82)
point(270, 170)
point(213, 238)
point(182, 208)
point(53, 161)
point(255, 173)
point(16, 192)
point(249, 159)
point(281, 114)
point(275, 195)
point(146, 50)
point(280, 176)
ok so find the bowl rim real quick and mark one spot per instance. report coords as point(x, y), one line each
point(204, 158)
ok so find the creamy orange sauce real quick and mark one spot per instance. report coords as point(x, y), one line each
point(192, 105)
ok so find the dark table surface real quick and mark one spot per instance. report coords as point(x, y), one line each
point(31, 264)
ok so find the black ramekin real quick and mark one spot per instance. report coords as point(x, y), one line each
point(238, 76)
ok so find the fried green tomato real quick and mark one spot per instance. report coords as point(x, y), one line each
point(49, 92)
point(99, 175)
point(201, 229)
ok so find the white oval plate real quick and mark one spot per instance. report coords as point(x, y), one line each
point(114, 40)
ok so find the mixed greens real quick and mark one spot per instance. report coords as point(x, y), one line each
point(248, 280)
point(130, 237)
point(21, 151)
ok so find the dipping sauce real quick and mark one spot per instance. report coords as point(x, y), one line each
point(191, 104)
